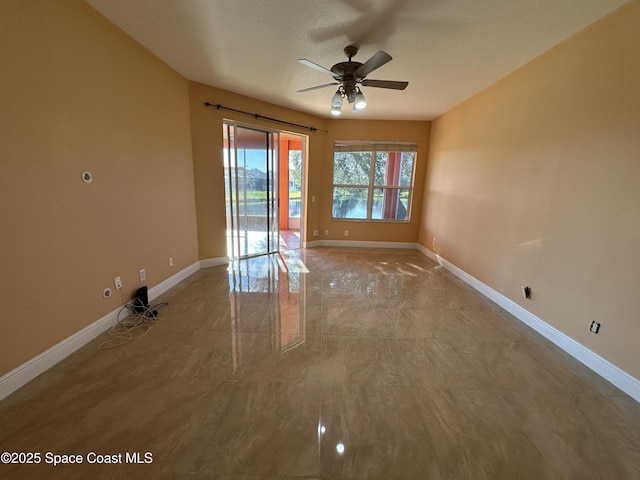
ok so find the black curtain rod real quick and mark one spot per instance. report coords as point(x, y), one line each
point(257, 115)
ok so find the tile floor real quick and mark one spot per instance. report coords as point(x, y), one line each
point(289, 240)
point(326, 364)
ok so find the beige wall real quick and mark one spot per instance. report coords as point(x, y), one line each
point(535, 181)
point(78, 94)
point(206, 123)
point(398, 131)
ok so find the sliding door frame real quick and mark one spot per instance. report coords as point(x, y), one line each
point(237, 222)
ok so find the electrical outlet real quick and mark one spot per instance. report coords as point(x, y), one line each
point(346, 233)
point(118, 283)
point(143, 275)
point(526, 292)
point(313, 199)
point(315, 233)
point(595, 327)
point(171, 261)
point(326, 232)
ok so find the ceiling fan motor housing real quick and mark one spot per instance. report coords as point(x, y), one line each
point(345, 73)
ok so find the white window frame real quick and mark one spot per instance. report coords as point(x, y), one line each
point(374, 148)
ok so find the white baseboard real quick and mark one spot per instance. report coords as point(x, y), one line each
point(312, 244)
point(172, 281)
point(621, 379)
point(19, 376)
point(29, 370)
point(360, 244)
point(214, 262)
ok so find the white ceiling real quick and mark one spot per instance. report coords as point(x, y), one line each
point(447, 50)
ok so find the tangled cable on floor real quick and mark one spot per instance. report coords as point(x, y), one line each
point(133, 326)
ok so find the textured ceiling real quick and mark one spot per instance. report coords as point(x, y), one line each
point(447, 50)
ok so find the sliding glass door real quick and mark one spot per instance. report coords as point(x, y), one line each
point(251, 190)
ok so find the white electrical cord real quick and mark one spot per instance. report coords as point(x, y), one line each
point(129, 327)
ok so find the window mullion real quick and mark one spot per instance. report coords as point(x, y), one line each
point(372, 174)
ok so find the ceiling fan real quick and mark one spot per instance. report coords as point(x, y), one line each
point(349, 74)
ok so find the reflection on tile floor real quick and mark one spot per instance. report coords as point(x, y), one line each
point(327, 363)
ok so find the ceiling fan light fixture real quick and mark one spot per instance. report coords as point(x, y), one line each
point(336, 103)
point(360, 102)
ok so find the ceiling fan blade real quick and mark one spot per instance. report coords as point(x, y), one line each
point(309, 63)
point(385, 84)
point(317, 87)
point(370, 65)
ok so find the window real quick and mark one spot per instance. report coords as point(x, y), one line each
point(373, 181)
